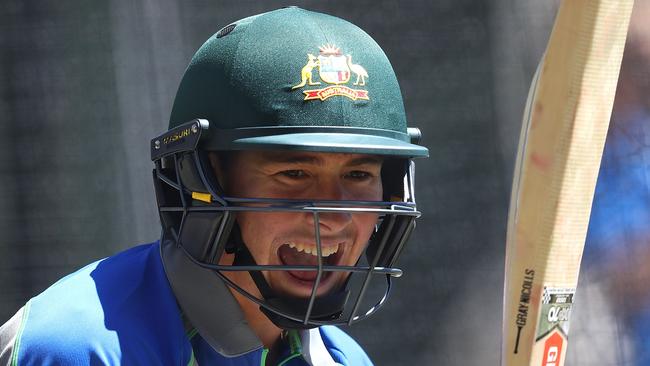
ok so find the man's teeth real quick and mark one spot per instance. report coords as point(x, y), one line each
point(325, 251)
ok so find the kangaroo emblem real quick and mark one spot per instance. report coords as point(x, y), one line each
point(361, 73)
point(334, 71)
point(306, 72)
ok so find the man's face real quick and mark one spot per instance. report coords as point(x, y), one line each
point(288, 238)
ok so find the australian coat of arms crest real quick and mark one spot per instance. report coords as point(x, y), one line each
point(336, 69)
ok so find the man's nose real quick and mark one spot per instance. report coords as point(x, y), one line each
point(332, 221)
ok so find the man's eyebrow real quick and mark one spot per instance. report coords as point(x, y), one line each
point(371, 160)
point(288, 159)
point(311, 159)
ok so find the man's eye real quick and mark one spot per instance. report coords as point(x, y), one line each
point(359, 175)
point(294, 173)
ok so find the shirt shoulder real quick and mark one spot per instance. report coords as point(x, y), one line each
point(119, 310)
point(343, 348)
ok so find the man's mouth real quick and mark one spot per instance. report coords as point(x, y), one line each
point(298, 254)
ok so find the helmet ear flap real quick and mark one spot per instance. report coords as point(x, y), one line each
point(386, 244)
point(213, 225)
point(393, 173)
point(167, 196)
point(191, 173)
point(188, 173)
point(197, 174)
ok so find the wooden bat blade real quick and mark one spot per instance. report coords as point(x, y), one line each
point(563, 133)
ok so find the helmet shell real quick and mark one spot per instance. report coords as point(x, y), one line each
point(295, 79)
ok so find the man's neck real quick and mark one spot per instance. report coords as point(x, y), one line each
point(261, 325)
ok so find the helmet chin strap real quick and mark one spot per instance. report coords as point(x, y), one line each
point(325, 308)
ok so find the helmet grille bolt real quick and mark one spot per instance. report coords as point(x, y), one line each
point(195, 128)
point(156, 144)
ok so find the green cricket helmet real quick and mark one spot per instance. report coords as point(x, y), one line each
point(296, 80)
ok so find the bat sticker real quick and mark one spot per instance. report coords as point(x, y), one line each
point(556, 310)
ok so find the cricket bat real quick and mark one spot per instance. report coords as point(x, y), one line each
point(563, 133)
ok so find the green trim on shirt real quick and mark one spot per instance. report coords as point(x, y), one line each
point(265, 352)
point(295, 346)
point(23, 322)
point(192, 361)
point(191, 333)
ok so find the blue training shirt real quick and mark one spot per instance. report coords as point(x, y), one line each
point(121, 310)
